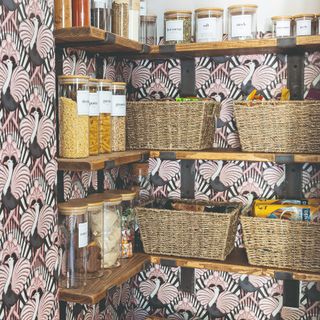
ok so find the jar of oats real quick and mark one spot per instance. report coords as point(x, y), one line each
point(73, 113)
point(93, 117)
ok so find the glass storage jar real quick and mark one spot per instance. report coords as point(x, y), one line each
point(134, 19)
point(177, 27)
point(62, 14)
point(99, 14)
point(208, 24)
point(281, 26)
point(148, 29)
point(73, 229)
point(120, 17)
point(318, 24)
point(81, 13)
point(73, 117)
point(105, 106)
point(118, 116)
point(143, 7)
point(303, 24)
point(242, 22)
point(94, 113)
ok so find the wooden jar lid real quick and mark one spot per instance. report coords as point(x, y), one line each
point(76, 207)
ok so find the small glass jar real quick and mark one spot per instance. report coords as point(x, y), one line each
point(118, 116)
point(62, 14)
point(148, 30)
point(73, 229)
point(303, 25)
point(317, 23)
point(143, 7)
point(281, 26)
point(134, 19)
point(209, 24)
point(94, 113)
point(242, 22)
point(177, 27)
point(105, 107)
point(81, 13)
point(73, 117)
point(120, 17)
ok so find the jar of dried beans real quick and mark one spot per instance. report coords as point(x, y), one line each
point(94, 113)
point(120, 17)
point(81, 13)
point(62, 14)
point(177, 26)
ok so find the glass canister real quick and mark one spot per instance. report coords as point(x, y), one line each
point(318, 24)
point(105, 107)
point(303, 24)
point(99, 14)
point(120, 17)
point(143, 7)
point(281, 26)
point(62, 14)
point(118, 116)
point(148, 29)
point(73, 117)
point(177, 27)
point(134, 19)
point(209, 24)
point(94, 113)
point(81, 13)
point(73, 228)
point(242, 22)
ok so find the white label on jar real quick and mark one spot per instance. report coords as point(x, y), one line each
point(283, 28)
point(303, 27)
point(93, 104)
point(119, 106)
point(83, 102)
point(83, 234)
point(209, 29)
point(99, 4)
point(174, 30)
point(241, 26)
point(105, 101)
point(143, 8)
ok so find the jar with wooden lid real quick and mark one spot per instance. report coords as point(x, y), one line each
point(73, 229)
point(242, 22)
point(148, 30)
point(118, 116)
point(281, 26)
point(81, 13)
point(303, 25)
point(177, 27)
point(105, 106)
point(73, 113)
point(94, 113)
point(120, 17)
point(62, 14)
point(208, 24)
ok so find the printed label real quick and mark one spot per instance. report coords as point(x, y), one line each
point(119, 106)
point(209, 29)
point(105, 101)
point(143, 8)
point(93, 104)
point(83, 234)
point(303, 27)
point(241, 26)
point(174, 30)
point(83, 102)
point(283, 28)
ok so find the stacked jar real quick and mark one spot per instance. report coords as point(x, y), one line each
point(94, 112)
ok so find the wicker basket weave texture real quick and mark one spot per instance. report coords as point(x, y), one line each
point(278, 126)
point(170, 125)
point(205, 235)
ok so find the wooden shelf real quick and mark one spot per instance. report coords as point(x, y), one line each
point(107, 161)
point(97, 289)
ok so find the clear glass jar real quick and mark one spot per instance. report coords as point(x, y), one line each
point(303, 25)
point(94, 113)
point(98, 14)
point(73, 229)
point(148, 30)
point(177, 27)
point(134, 19)
point(73, 117)
point(120, 17)
point(143, 7)
point(242, 22)
point(317, 23)
point(209, 24)
point(81, 13)
point(62, 14)
point(118, 116)
point(281, 26)
point(105, 106)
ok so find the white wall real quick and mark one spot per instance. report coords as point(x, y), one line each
point(266, 8)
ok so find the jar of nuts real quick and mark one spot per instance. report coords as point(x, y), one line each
point(93, 117)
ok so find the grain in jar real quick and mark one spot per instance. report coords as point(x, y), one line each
point(177, 27)
point(81, 13)
point(303, 24)
point(120, 17)
point(62, 14)
point(134, 19)
point(148, 30)
point(281, 26)
point(94, 113)
point(73, 113)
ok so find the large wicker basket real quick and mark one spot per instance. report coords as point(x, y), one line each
point(278, 126)
point(282, 243)
point(170, 125)
point(187, 233)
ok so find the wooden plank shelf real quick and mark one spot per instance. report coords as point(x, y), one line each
point(107, 161)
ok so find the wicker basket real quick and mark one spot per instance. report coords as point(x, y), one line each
point(170, 125)
point(187, 233)
point(282, 243)
point(275, 126)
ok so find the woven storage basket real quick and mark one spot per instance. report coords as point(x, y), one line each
point(282, 243)
point(278, 126)
point(171, 125)
point(206, 235)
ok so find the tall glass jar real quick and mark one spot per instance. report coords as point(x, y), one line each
point(62, 14)
point(105, 107)
point(99, 14)
point(134, 19)
point(143, 7)
point(118, 116)
point(120, 17)
point(318, 24)
point(303, 25)
point(73, 117)
point(177, 26)
point(281, 26)
point(73, 228)
point(148, 29)
point(94, 113)
point(81, 13)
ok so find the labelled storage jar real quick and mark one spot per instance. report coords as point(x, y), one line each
point(81, 13)
point(242, 22)
point(148, 30)
point(105, 106)
point(120, 17)
point(177, 27)
point(73, 113)
point(73, 229)
point(94, 113)
point(134, 19)
point(62, 14)
point(208, 24)
point(281, 26)
point(303, 24)
point(118, 116)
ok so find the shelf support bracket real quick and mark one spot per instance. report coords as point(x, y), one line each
point(188, 77)
point(187, 178)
